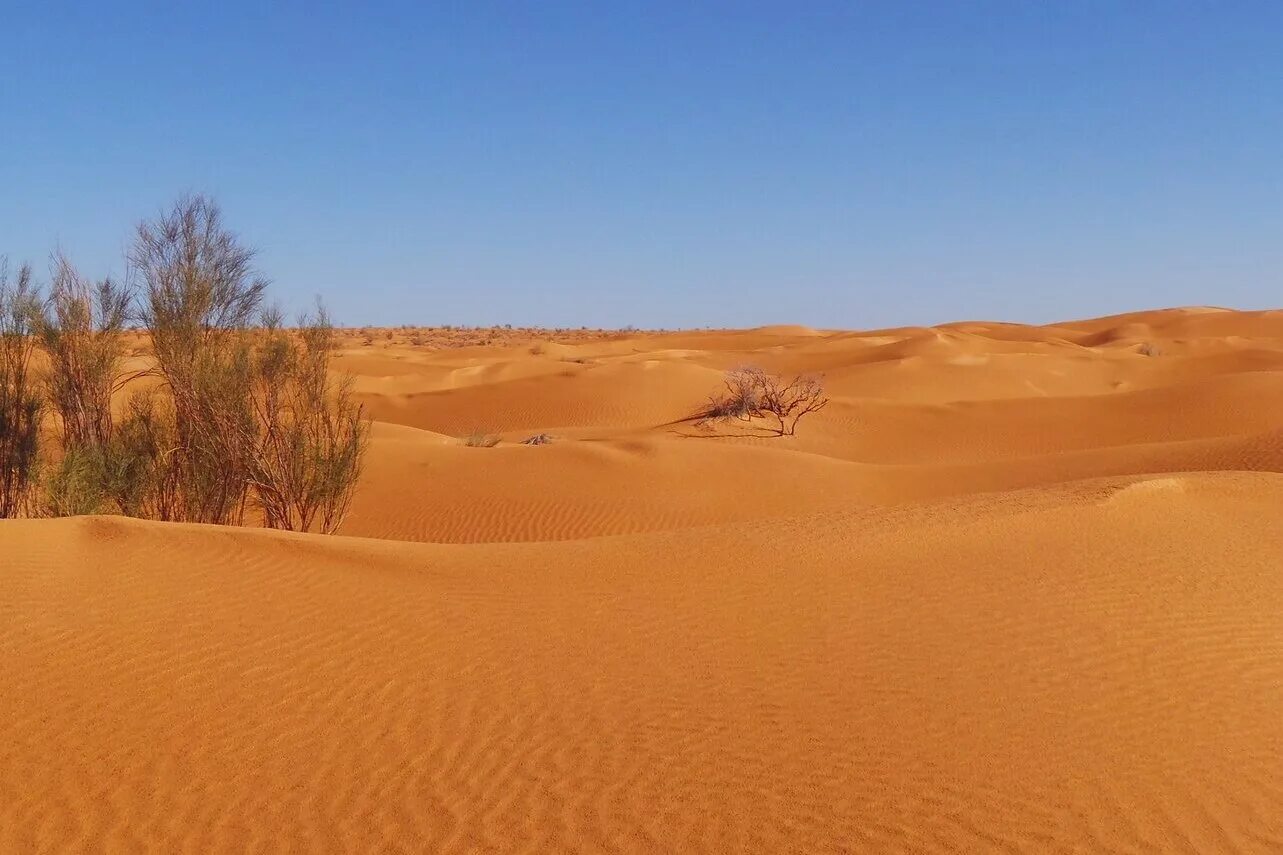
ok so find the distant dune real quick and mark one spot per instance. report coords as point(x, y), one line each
point(1016, 589)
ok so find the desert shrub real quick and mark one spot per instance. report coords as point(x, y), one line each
point(81, 327)
point(246, 417)
point(480, 439)
point(310, 435)
point(741, 397)
point(20, 402)
point(750, 393)
point(139, 466)
point(78, 484)
point(146, 448)
point(788, 402)
point(200, 293)
point(132, 474)
point(256, 419)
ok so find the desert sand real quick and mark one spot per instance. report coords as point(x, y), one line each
point(1016, 589)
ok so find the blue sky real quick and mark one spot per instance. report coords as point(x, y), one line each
point(668, 164)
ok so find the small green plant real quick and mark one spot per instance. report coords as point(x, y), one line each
point(79, 484)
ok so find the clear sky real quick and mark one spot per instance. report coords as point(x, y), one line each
point(668, 164)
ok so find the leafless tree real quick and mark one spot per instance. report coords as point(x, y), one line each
point(788, 402)
point(751, 393)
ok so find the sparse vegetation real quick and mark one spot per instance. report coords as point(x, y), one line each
point(256, 417)
point(448, 336)
point(741, 399)
point(481, 439)
point(20, 403)
point(79, 483)
point(310, 435)
point(200, 293)
point(246, 420)
point(750, 393)
point(81, 328)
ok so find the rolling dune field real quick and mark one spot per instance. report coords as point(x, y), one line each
point(1015, 589)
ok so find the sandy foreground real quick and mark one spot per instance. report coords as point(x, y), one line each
point(1017, 589)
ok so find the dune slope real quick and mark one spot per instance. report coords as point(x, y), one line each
point(1094, 667)
point(1016, 589)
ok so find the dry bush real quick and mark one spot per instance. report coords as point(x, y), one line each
point(750, 393)
point(246, 417)
point(146, 445)
point(81, 327)
point(255, 418)
point(788, 402)
point(741, 398)
point(200, 293)
point(481, 439)
point(310, 434)
point(20, 402)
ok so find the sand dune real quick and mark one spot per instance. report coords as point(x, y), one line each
point(1016, 589)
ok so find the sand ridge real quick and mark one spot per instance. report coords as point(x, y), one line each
point(1016, 589)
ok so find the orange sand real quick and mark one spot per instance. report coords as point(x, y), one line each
point(1017, 589)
